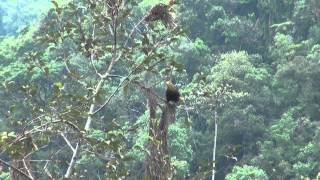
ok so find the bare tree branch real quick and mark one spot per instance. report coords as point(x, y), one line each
point(72, 161)
point(67, 141)
point(27, 169)
point(47, 171)
point(16, 169)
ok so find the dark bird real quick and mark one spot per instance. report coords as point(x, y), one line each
point(172, 92)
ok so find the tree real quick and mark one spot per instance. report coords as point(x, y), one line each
point(93, 49)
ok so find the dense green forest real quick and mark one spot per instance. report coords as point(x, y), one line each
point(87, 89)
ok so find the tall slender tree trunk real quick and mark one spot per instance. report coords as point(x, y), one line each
point(214, 144)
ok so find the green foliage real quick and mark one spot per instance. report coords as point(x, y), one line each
point(190, 56)
point(5, 175)
point(231, 87)
point(141, 138)
point(148, 3)
point(283, 130)
point(246, 172)
point(180, 167)
point(284, 48)
point(314, 33)
point(178, 135)
point(17, 15)
point(181, 149)
point(254, 62)
point(287, 154)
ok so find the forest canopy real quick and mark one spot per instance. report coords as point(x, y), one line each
point(159, 89)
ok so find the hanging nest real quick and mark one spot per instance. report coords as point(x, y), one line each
point(161, 12)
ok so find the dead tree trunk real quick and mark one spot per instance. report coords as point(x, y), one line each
point(157, 160)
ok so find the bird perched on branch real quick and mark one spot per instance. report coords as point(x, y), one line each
point(172, 92)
